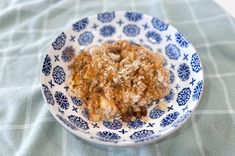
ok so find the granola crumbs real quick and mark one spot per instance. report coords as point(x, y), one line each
point(118, 79)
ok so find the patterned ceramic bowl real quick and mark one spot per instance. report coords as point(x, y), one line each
point(186, 77)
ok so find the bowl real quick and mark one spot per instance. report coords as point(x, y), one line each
point(186, 77)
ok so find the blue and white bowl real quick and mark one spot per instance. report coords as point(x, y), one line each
point(186, 77)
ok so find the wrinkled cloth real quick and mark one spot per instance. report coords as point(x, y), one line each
point(26, 30)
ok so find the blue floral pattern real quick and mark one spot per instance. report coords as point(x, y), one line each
point(62, 100)
point(183, 96)
point(67, 54)
point(170, 96)
point(105, 140)
point(132, 16)
point(85, 113)
point(181, 59)
point(156, 113)
point(172, 52)
point(85, 38)
point(197, 91)
point(159, 25)
point(76, 101)
point(183, 72)
point(107, 30)
point(58, 75)
point(182, 118)
point(141, 134)
point(153, 37)
point(80, 25)
point(148, 138)
point(46, 67)
point(172, 77)
point(170, 118)
point(78, 122)
point(66, 122)
point(181, 40)
point(195, 63)
point(116, 124)
point(131, 30)
point(108, 135)
point(48, 95)
point(59, 41)
point(136, 124)
point(106, 17)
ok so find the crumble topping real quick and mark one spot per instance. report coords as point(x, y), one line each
point(118, 79)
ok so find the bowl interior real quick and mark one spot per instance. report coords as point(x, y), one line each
point(186, 77)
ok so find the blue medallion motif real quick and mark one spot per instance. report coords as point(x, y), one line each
point(147, 139)
point(170, 96)
point(78, 122)
point(183, 96)
point(132, 16)
point(58, 75)
point(67, 54)
point(197, 90)
point(46, 68)
point(182, 118)
point(141, 134)
point(76, 101)
point(153, 37)
point(183, 72)
point(62, 100)
point(66, 122)
point(59, 41)
point(80, 25)
point(47, 94)
point(159, 25)
point(107, 30)
point(85, 38)
point(156, 113)
point(106, 17)
point(181, 40)
point(116, 124)
point(131, 30)
point(170, 118)
point(108, 135)
point(85, 113)
point(135, 124)
point(195, 63)
point(172, 52)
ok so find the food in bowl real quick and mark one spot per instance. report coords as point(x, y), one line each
point(118, 79)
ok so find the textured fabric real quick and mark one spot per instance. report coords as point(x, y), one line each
point(28, 128)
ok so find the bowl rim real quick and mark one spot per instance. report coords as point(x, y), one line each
point(166, 133)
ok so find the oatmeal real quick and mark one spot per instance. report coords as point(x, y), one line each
point(118, 79)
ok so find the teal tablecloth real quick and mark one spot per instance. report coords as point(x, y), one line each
point(28, 128)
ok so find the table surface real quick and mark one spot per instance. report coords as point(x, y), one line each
point(28, 128)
